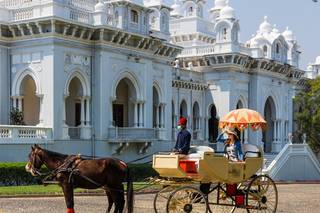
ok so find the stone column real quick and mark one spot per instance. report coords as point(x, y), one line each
point(20, 98)
point(88, 111)
point(65, 128)
point(157, 116)
point(85, 126)
point(40, 96)
point(163, 114)
point(206, 128)
point(140, 115)
point(275, 131)
point(135, 118)
point(82, 111)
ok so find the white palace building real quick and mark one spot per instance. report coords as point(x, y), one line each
point(112, 77)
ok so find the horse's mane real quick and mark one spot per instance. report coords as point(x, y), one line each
point(55, 155)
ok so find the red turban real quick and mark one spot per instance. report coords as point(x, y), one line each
point(182, 121)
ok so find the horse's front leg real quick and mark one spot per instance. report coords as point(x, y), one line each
point(110, 200)
point(68, 196)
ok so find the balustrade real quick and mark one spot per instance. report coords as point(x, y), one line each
point(197, 51)
point(22, 134)
point(128, 133)
point(22, 14)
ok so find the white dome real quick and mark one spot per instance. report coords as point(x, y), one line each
point(288, 34)
point(227, 12)
point(257, 40)
point(309, 67)
point(318, 60)
point(265, 26)
point(254, 43)
point(100, 7)
point(275, 30)
point(219, 4)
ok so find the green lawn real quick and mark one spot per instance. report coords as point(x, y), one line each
point(53, 190)
point(37, 189)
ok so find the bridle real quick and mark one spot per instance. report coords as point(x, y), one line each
point(34, 171)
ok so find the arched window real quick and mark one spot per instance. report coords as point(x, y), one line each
point(190, 11)
point(199, 11)
point(134, 16)
point(164, 21)
point(265, 50)
point(278, 48)
point(224, 33)
point(116, 18)
point(153, 21)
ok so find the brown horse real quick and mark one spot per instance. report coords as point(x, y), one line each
point(72, 172)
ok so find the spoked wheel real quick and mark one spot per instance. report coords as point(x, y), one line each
point(262, 195)
point(186, 200)
point(161, 199)
point(219, 201)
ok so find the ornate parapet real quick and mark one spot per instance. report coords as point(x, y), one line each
point(240, 62)
point(20, 31)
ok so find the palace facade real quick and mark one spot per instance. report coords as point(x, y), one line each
point(113, 77)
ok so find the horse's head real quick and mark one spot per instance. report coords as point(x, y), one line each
point(35, 162)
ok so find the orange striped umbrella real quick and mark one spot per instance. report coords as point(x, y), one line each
point(242, 118)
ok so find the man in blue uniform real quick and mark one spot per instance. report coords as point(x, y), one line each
point(183, 139)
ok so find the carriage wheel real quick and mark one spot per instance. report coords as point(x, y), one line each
point(262, 195)
point(219, 201)
point(161, 199)
point(187, 199)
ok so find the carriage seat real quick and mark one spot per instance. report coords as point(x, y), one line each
point(250, 150)
point(197, 152)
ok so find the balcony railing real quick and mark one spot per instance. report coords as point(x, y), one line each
point(197, 51)
point(133, 134)
point(22, 134)
point(74, 132)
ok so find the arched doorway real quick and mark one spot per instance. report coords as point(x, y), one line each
point(213, 124)
point(195, 120)
point(270, 116)
point(183, 109)
point(74, 108)
point(124, 108)
point(31, 102)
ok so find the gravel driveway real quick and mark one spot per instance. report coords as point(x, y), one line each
point(293, 198)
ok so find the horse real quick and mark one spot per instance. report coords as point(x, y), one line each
point(72, 171)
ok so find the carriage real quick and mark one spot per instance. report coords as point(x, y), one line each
point(229, 185)
point(206, 181)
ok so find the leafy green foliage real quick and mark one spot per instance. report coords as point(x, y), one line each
point(308, 115)
point(16, 117)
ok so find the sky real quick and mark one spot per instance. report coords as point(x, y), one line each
point(302, 17)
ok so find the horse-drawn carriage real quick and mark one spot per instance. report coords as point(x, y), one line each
point(233, 184)
point(206, 181)
point(202, 181)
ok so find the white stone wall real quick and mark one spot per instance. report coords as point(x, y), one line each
point(4, 85)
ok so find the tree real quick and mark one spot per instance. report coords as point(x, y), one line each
point(16, 117)
point(308, 116)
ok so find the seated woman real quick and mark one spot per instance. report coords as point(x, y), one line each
point(232, 147)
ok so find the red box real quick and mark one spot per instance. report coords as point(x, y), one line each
point(239, 199)
point(189, 166)
point(232, 189)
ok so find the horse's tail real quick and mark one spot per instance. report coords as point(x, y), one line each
point(130, 192)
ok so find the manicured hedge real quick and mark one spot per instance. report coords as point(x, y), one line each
point(14, 174)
